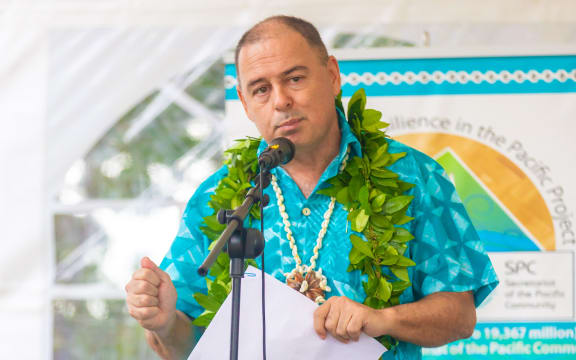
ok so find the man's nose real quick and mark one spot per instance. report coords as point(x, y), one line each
point(282, 99)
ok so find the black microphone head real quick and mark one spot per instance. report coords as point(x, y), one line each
point(285, 148)
point(279, 151)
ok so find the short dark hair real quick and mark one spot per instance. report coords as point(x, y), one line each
point(301, 26)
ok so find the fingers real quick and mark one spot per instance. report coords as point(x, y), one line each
point(354, 328)
point(143, 313)
point(341, 329)
point(151, 296)
point(142, 300)
point(342, 318)
point(142, 292)
point(331, 323)
point(141, 287)
point(147, 275)
point(326, 320)
point(320, 318)
point(146, 263)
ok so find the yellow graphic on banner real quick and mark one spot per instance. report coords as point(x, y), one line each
point(506, 207)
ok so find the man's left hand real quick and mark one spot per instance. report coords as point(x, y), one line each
point(346, 319)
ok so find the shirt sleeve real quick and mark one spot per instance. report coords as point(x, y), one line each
point(189, 248)
point(448, 253)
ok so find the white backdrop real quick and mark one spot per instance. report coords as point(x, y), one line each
point(500, 121)
point(68, 69)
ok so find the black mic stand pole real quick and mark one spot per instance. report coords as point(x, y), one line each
point(242, 243)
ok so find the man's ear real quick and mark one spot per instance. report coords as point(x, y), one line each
point(334, 71)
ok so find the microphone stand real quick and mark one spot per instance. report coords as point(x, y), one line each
point(242, 244)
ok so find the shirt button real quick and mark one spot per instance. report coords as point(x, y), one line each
point(305, 211)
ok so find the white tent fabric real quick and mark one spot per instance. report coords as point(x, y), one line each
point(69, 69)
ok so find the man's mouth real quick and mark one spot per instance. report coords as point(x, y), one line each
point(289, 123)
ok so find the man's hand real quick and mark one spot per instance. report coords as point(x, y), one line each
point(346, 319)
point(434, 320)
point(151, 297)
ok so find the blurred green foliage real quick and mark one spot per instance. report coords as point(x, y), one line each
point(162, 141)
point(352, 40)
point(97, 329)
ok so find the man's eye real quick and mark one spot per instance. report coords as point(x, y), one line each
point(296, 78)
point(260, 90)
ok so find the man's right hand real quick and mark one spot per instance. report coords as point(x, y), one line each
point(151, 298)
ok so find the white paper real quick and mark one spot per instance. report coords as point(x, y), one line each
point(289, 328)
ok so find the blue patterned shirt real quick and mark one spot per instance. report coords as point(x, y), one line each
point(448, 254)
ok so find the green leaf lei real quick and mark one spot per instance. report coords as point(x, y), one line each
point(372, 194)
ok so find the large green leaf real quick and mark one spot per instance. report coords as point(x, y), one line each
point(373, 302)
point(380, 221)
point(397, 156)
point(361, 245)
point(404, 261)
point(360, 221)
point(212, 223)
point(357, 103)
point(385, 236)
point(371, 120)
point(355, 185)
point(383, 173)
point(219, 290)
point(354, 166)
point(343, 197)
point(397, 203)
point(385, 257)
point(236, 201)
point(384, 290)
point(400, 272)
point(207, 302)
point(390, 249)
point(356, 256)
point(404, 186)
point(399, 286)
point(380, 160)
point(402, 235)
point(227, 193)
point(404, 219)
point(363, 196)
point(390, 183)
point(204, 319)
point(231, 183)
point(378, 202)
point(369, 269)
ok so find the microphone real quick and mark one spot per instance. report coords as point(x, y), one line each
point(279, 151)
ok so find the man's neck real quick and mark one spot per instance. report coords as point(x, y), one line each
point(308, 165)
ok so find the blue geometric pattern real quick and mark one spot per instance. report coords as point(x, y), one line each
point(456, 75)
point(446, 248)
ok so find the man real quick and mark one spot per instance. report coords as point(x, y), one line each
point(287, 85)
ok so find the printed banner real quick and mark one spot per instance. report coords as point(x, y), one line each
point(502, 127)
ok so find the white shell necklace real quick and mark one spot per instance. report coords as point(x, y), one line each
point(304, 278)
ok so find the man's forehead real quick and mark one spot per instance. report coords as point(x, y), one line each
point(273, 44)
point(278, 53)
point(273, 31)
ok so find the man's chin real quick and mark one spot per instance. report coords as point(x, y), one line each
point(292, 135)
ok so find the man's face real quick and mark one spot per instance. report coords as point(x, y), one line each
point(287, 90)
